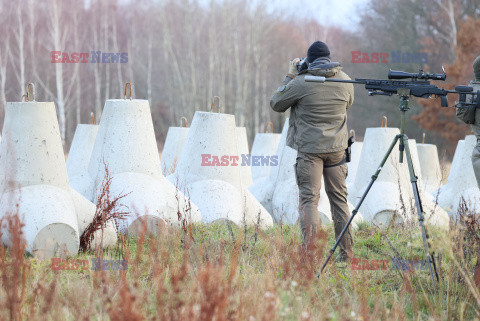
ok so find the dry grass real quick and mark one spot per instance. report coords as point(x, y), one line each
point(108, 208)
point(210, 275)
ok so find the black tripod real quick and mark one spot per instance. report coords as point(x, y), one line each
point(403, 140)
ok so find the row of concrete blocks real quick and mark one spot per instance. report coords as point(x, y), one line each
point(390, 197)
point(57, 207)
point(35, 183)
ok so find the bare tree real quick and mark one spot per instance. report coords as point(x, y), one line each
point(17, 57)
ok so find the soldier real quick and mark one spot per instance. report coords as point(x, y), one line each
point(472, 117)
point(318, 131)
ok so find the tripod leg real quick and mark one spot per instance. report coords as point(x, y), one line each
point(418, 202)
point(355, 211)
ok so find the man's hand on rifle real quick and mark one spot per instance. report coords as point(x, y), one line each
point(292, 71)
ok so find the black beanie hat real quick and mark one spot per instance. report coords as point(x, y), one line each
point(317, 49)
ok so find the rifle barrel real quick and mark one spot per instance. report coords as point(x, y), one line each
point(320, 79)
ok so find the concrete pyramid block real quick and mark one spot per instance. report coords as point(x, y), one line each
point(126, 144)
point(353, 165)
point(285, 202)
point(218, 201)
point(412, 144)
point(172, 149)
point(31, 151)
point(210, 134)
point(85, 214)
point(81, 149)
point(144, 200)
point(389, 197)
point(434, 214)
point(263, 188)
point(466, 201)
point(281, 146)
point(79, 158)
point(255, 213)
point(48, 212)
point(33, 142)
point(125, 140)
point(265, 144)
point(461, 186)
point(34, 182)
point(80, 182)
point(242, 142)
point(429, 167)
point(211, 140)
point(445, 193)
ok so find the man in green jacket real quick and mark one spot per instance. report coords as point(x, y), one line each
point(318, 131)
point(472, 117)
point(476, 126)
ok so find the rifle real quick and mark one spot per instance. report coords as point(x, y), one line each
point(418, 86)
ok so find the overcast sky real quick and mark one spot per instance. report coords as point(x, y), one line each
point(343, 13)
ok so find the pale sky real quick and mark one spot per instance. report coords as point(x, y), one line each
point(344, 13)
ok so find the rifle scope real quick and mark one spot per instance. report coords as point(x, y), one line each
point(396, 74)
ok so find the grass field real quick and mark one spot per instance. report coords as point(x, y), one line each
point(217, 272)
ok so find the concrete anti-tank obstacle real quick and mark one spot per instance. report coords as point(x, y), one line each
point(264, 145)
point(391, 196)
point(79, 157)
point(48, 212)
point(172, 149)
point(356, 150)
point(412, 144)
point(285, 202)
point(86, 211)
point(77, 165)
point(243, 151)
point(461, 182)
point(211, 136)
point(429, 166)
point(31, 152)
point(126, 144)
point(434, 214)
point(218, 201)
point(264, 187)
point(33, 176)
point(445, 194)
point(383, 201)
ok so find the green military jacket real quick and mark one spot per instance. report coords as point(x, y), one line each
point(476, 126)
point(318, 118)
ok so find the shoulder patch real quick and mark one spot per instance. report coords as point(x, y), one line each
point(282, 88)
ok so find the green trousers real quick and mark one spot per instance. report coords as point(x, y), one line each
point(309, 170)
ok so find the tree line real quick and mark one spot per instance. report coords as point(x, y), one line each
point(180, 54)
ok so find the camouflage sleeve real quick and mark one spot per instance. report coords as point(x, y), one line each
point(285, 97)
